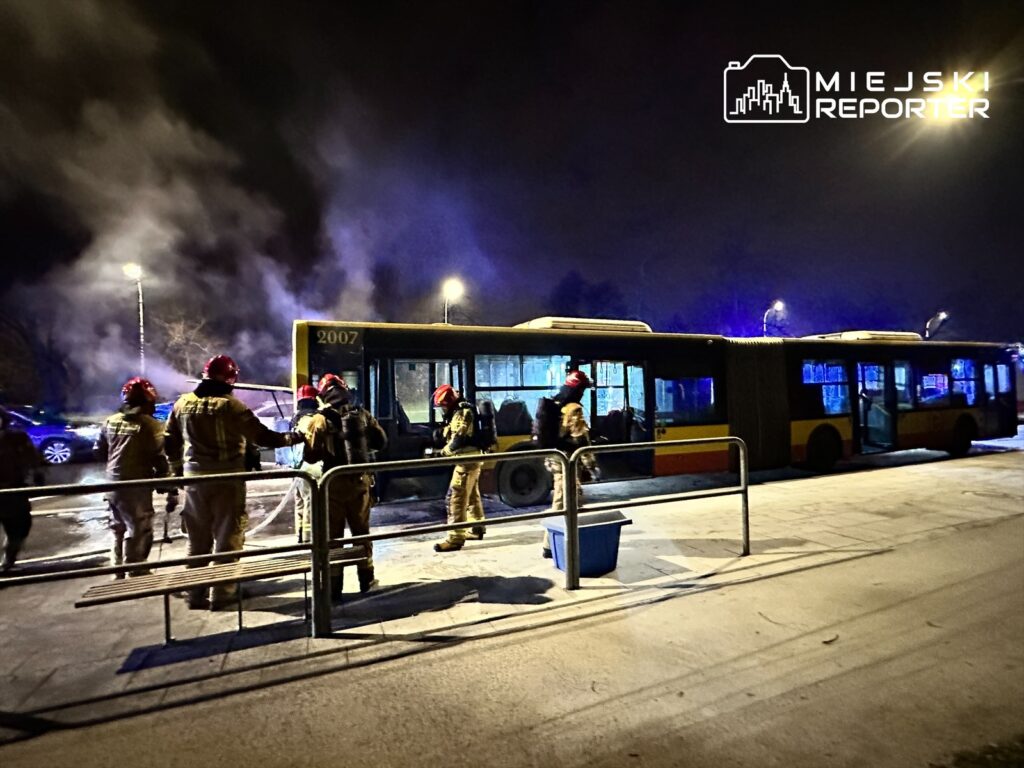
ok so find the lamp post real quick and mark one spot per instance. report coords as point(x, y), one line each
point(452, 290)
point(777, 306)
point(134, 272)
point(934, 322)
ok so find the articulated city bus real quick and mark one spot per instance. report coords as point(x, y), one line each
point(804, 401)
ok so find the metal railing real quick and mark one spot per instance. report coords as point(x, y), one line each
point(322, 541)
point(163, 483)
point(319, 499)
point(572, 494)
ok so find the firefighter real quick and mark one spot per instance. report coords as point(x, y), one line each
point(18, 457)
point(464, 502)
point(339, 433)
point(206, 434)
point(306, 404)
point(573, 433)
point(132, 444)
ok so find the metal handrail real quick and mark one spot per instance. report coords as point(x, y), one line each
point(161, 483)
point(322, 541)
point(572, 501)
point(320, 494)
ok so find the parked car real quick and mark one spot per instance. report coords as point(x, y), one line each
point(58, 439)
point(163, 411)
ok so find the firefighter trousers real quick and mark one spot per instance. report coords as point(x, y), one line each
point(15, 523)
point(215, 519)
point(464, 502)
point(558, 493)
point(348, 503)
point(131, 522)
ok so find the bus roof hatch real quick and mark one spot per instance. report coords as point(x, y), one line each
point(869, 335)
point(587, 324)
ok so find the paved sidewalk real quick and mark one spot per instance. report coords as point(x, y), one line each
point(63, 667)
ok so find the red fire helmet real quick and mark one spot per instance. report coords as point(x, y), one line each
point(221, 368)
point(445, 396)
point(577, 379)
point(329, 379)
point(138, 391)
point(306, 392)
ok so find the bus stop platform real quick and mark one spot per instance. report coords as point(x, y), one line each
point(906, 569)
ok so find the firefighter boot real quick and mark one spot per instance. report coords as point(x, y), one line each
point(476, 533)
point(117, 556)
point(337, 584)
point(366, 580)
point(448, 545)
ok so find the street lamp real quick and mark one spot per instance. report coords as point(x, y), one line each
point(452, 290)
point(936, 320)
point(134, 272)
point(777, 306)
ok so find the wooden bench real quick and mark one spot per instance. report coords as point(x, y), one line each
point(247, 569)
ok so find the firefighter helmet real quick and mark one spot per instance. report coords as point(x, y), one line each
point(445, 396)
point(138, 391)
point(306, 392)
point(577, 379)
point(329, 379)
point(221, 368)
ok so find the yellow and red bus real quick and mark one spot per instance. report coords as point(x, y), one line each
point(805, 401)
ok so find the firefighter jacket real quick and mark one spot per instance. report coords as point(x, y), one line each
point(575, 433)
point(208, 428)
point(17, 458)
point(132, 444)
point(459, 425)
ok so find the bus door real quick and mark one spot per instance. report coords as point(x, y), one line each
point(615, 408)
point(876, 397)
point(407, 412)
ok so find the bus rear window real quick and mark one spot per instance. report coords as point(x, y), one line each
point(685, 401)
point(1003, 375)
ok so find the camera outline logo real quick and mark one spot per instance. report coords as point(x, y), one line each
point(791, 89)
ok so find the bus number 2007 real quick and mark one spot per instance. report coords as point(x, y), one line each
point(324, 336)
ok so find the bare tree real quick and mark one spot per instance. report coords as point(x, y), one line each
point(187, 342)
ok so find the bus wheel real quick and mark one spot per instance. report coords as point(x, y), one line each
point(964, 433)
point(824, 449)
point(523, 483)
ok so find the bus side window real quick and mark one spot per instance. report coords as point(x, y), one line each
point(904, 374)
point(933, 388)
point(964, 381)
point(684, 401)
point(990, 381)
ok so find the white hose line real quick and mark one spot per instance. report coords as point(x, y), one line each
point(270, 518)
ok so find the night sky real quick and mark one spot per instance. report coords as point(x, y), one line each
point(265, 161)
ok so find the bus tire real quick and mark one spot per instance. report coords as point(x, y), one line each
point(523, 483)
point(824, 449)
point(965, 431)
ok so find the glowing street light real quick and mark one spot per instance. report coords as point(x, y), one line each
point(134, 272)
point(452, 290)
point(936, 320)
point(777, 306)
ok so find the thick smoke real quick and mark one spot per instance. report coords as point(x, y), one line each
point(151, 190)
point(89, 126)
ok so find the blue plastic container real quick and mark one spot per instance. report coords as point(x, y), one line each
point(599, 541)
